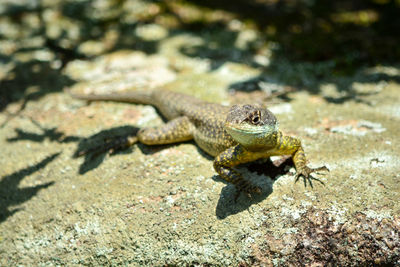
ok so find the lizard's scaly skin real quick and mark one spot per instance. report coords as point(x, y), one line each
point(233, 135)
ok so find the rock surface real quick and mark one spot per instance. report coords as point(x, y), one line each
point(165, 205)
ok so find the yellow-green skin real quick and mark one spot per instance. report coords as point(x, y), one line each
point(213, 131)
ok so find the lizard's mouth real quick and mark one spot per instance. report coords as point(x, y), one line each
point(245, 128)
point(249, 135)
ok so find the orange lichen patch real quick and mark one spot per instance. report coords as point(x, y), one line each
point(94, 115)
point(290, 133)
point(141, 210)
point(248, 97)
point(131, 115)
point(258, 96)
point(176, 208)
point(321, 240)
point(353, 127)
point(176, 196)
point(172, 151)
point(260, 257)
point(151, 199)
point(328, 124)
point(317, 99)
point(134, 208)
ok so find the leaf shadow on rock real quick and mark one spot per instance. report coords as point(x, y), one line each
point(29, 81)
point(11, 194)
point(34, 68)
point(310, 57)
point(351, 32)
point(283, 75)
point(348, 34)
point(279, 79)
point(50, 134)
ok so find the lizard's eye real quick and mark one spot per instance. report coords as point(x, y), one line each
point(255, 118)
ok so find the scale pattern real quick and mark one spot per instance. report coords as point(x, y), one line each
point(192, 119)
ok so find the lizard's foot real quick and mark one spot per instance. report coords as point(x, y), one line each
point(110, 145)
point(247, 188)
point(305, 172)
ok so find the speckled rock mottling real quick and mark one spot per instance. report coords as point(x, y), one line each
point(165, 205)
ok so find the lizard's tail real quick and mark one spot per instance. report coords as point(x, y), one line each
point(138, 97)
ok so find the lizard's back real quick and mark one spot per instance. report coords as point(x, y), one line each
point(208, 119)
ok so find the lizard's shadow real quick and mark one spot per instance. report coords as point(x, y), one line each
point(262, 173)
point(94, 148)
point(266, 174)
point(92, 159)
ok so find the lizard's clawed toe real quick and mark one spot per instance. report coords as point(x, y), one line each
point(305, 173)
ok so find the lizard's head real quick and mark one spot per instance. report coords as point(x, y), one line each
point(250, 125)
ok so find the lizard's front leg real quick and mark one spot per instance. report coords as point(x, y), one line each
point(288, 145)
point(224, 163)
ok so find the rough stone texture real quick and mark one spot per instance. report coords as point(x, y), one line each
point(165, 205)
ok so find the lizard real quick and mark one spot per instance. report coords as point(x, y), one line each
point(232, 135)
